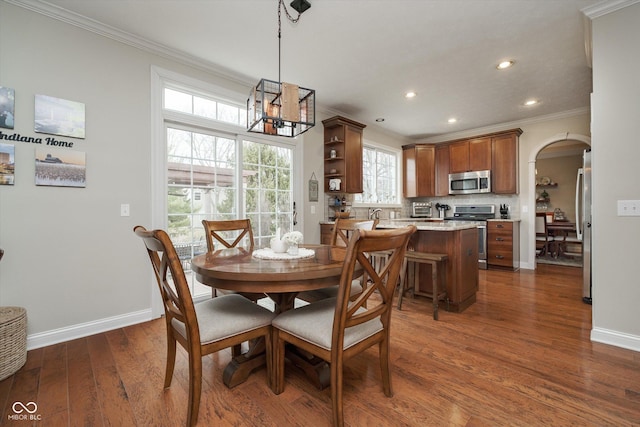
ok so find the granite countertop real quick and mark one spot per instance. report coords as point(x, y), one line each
point(429, 225)
point(506, 219)
point(416, 220)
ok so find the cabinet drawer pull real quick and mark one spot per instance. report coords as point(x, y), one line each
point(499, 226)
point(499, 239)
point(499, 256)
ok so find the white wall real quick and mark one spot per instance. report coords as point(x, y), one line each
point(70, 259)
point(616, 150)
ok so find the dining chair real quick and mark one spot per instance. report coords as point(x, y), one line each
point(201, 328)
point(342, 231)
point(337, 329)
point(230, 234)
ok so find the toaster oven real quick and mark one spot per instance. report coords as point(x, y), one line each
point(421, 210)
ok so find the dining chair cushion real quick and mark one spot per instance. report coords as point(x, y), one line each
point(226, 316)
point(314, 323)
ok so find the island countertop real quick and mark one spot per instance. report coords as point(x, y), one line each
point(429, 225)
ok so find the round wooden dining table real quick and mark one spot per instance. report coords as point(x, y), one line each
point(237, 269)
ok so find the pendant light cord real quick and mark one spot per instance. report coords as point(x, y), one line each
point(293, 20)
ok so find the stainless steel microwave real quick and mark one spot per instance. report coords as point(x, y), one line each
point(470, 182)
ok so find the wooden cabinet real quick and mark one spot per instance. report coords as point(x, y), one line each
point(461, 246)
point(344, 136)
point(503, 245)
point(427, 167)
point(504, 176)
point(325, 233)
point(442, 170)
point(470, 155)
point(419, 170)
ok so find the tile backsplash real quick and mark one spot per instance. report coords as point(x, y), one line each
point(512, 201)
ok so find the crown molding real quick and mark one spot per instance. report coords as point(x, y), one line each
point(88, 24)
point(499, 127)
point(605, 7)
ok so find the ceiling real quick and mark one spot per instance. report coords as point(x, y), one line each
point(361, 56)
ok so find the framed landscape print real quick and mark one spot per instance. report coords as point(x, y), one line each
point(60, 168)
point(7, 164)
point(59, 116)
point(7, 107)
point(313, 188)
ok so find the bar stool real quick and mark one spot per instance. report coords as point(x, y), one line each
point(412, 261)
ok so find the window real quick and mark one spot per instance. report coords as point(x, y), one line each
point(380, 176)
point(267, 192)
point(215, 170)
point(209, 108)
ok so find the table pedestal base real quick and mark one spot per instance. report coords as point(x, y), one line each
point(240, 367)
point(316, 369)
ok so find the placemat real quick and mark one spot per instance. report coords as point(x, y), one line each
point(267, 253)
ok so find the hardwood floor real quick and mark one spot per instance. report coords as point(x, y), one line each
point(520, 356)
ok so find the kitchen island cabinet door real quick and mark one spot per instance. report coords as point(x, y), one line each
point(325, 233)
point(461, 247)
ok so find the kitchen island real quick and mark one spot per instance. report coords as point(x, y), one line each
point(457, 239)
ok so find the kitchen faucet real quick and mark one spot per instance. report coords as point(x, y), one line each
point(374, 213)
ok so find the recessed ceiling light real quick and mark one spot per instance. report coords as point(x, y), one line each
point(452, 120)
point(505, 64)
point(380, 119)
point(531, 102)
point(410, 95)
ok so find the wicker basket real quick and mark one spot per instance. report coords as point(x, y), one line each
point(13, 340)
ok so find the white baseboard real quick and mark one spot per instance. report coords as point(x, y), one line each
point(82, 330)
point(618, 339)
point(527, 265)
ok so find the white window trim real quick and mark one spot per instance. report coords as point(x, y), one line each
point(161, 78)
point(398, 153)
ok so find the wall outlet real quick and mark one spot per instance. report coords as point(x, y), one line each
point(124, 209)
point(628, 207)
point(312, 209)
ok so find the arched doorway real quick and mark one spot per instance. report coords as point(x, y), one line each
point(531, 232)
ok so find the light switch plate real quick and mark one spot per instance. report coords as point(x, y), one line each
point(628, 207)
point(124, 209)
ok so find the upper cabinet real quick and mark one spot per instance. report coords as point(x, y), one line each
point(504, 176)
point(470, 155)
point(442, 170)
point(419, 170)
point(343, 146)
point(427, 167)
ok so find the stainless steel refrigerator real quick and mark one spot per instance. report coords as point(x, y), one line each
point(583, 221)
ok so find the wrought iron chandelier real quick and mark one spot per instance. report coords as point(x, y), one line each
point(278, 108)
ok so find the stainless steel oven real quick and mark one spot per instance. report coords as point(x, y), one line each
point(478, 214)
